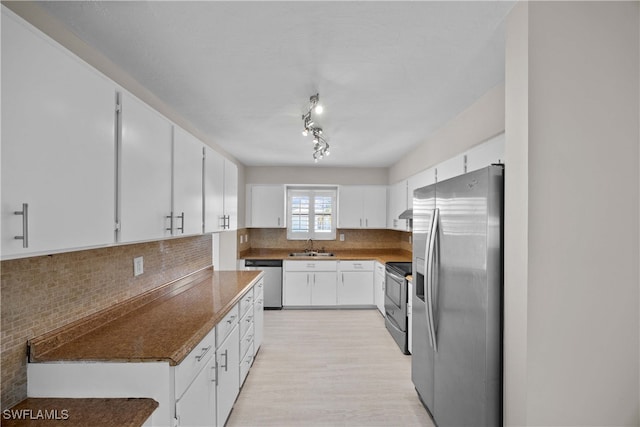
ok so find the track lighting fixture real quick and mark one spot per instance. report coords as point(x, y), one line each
point(320, 145)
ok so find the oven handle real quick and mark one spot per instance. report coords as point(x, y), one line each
point(430, 269)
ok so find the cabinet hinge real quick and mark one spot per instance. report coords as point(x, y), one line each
point(118, 107)
point(465, 163)
point(117, 226)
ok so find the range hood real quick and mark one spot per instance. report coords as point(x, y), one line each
point(408, 214)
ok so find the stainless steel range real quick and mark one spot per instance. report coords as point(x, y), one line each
point(395, 302)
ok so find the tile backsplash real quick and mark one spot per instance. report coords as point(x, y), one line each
point(276, 238)
point(43, 293)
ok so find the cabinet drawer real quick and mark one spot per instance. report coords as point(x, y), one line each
point(356, 265)
point(245, 365)
point(311, 265)
point(258, 290)
point(246, 322)
point(187, 370)
point(246, 303)
point(246, 341)
point(226, 325)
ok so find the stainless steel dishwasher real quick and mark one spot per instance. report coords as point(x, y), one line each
point(272, 280)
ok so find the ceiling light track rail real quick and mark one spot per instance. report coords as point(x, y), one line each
point(320, 144)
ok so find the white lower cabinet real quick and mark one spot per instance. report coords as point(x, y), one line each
point(410, 318)
point(378, 286)
point(197, 406)
point(228, 386)
point(200, 391)
point(355, 283)
point(310, 283)
point(258, 313)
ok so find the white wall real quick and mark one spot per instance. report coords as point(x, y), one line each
point(315, 175)
point(573, 350)
point(481, 121)
point(516, 216)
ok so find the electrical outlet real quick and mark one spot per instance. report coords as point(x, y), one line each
point(341, 237)
point(138, 266)
point(410, 239)
point(241, 239)
point(246, 238)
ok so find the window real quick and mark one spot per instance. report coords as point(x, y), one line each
point(311, 213)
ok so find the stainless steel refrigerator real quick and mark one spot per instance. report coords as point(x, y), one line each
point(456, 363)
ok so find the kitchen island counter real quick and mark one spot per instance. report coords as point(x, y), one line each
point(82, 412)
point(164, 324)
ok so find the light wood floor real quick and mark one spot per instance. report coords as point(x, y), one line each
point(328, 368)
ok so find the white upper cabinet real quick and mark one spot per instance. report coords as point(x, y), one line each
point(231, 194)
point(361, 206)
point(450, 168)
point(58, 146)
point(396, 205)
point(266, 206)
point(187, 183)
point(213, 191)
point(487, 153)
point(220, 193)
point(419, 180)
point(145, 172)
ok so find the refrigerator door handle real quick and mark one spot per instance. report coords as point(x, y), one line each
point(433, 235)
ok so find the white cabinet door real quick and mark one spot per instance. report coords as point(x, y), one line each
point(362, 206)
point(297, 288)
point(487, 153)
point(228, 359)
point(213, 191)
point(397, 203)
point(419, 180)
point(197, 406)
point(375, 206)
point(231, 194)
point(58, 145)
point(145, 172)
point(450, 168)
point(378, 284)
point(350, 207)
point(323, 288)
point(187, 183)
point(410, 319)
point(355, 288)
point(258, 322)
point(267, 205)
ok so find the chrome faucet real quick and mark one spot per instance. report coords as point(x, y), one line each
point(310, 244)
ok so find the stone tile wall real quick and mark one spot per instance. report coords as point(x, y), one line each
point(43, 293)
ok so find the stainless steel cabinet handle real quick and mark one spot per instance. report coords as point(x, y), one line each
point(360, 222)
point(25, 225)
point(278, 221)
point(170, 216)
point(181, 228)
point(226, 360)
point(204, 351)
point(366, 222)
point(222, 221)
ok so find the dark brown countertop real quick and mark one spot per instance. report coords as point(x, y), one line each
point(166, 328)
point(380, 255)
point(67, 412)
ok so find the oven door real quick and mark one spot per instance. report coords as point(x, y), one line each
point(395, 300)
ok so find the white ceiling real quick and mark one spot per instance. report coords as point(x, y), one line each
point(388, 73)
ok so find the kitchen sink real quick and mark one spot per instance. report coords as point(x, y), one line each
point(312, 254)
